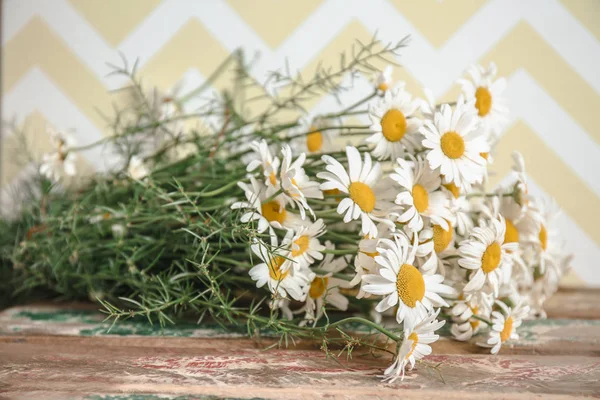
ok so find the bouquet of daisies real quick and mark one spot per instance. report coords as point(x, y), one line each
point(373, 220)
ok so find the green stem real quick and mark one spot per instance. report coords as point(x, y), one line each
point(342, 251)
point(364, 322)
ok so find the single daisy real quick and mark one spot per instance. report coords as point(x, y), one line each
point(304, 244)
point(296, 185)
point(455, 144)
point(325, 289)
point(101, 214)
point(359, 184)
point(137, 169)
point(396, 128)
point(468, 313)
point(436, 244)
point(271, 271)
point(485, 253)
point(61, 161)
point(261, 206)
point(402, 284)
point(484, 92)
point(428, 106)
point(421, 197)
point(269, 164)
point(364, 262)
point(505, 324)
point(546, 238)
point(415, 346)
point(461, 208)
point(315, 136)
point(383, 80)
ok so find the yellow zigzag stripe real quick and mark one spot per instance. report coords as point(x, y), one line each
point(274, 20)
point(38, 46)
point(114, 19)
point(524, 48)
point(438, 20)
point(521, 48)
point(551, 174)
point(587, 12)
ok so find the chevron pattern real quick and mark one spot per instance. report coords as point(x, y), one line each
point(55, 55)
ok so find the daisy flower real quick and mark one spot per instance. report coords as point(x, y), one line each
point(545, 238)
point(364, 262)
point(101, 215)
point(61, 161)
point(428, 106)
point(315, 136)
point(272, 271)
point(402, 284)
point(486, 254)
point(264, 209)
point(415, 346)
point(421, 197)
point(505, 324)
point(383, 79)
point(269, 164)
point(137, 169)
point(359, 184)
point(325, 289)
point(395, 127)
point(304, 244)
point(460, 207)
point(521, 191)
point(436, 243)
point(484, 92)
point(455, 144)
point(296, 184)
point(464, 313)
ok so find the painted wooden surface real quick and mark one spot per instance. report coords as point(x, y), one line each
point(63, 352)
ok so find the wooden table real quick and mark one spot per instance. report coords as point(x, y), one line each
point(60, 352)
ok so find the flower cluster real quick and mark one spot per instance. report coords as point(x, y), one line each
point(393, 219)
point(409, 218)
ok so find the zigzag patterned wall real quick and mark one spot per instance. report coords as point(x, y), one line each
point(55, 55)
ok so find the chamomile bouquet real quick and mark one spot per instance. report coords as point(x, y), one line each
point(375, 218)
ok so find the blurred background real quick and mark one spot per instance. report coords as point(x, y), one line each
point(55, 73)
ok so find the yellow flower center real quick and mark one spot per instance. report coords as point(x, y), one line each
point(106, 216)
point(491, 258)
point(453, 189)
point(474, 322)
point(453, 145)
point(512, 234)
point(483, 101)
point(333, 192)
point(484, 155)
point(441, 237)
point(275, 268)
point(314, 140)
point(273, 179)
point(415, 341)
point(410, 285)
point(543, 236)
point(383, 86)
point(362, 195)
point(372, 255)
point(393, 125)
point(318, 287)
point(507, 330)
point(272, 211)
point(420, 198)
point(302, 242)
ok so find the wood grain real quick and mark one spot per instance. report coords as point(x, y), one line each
point(57, 352)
